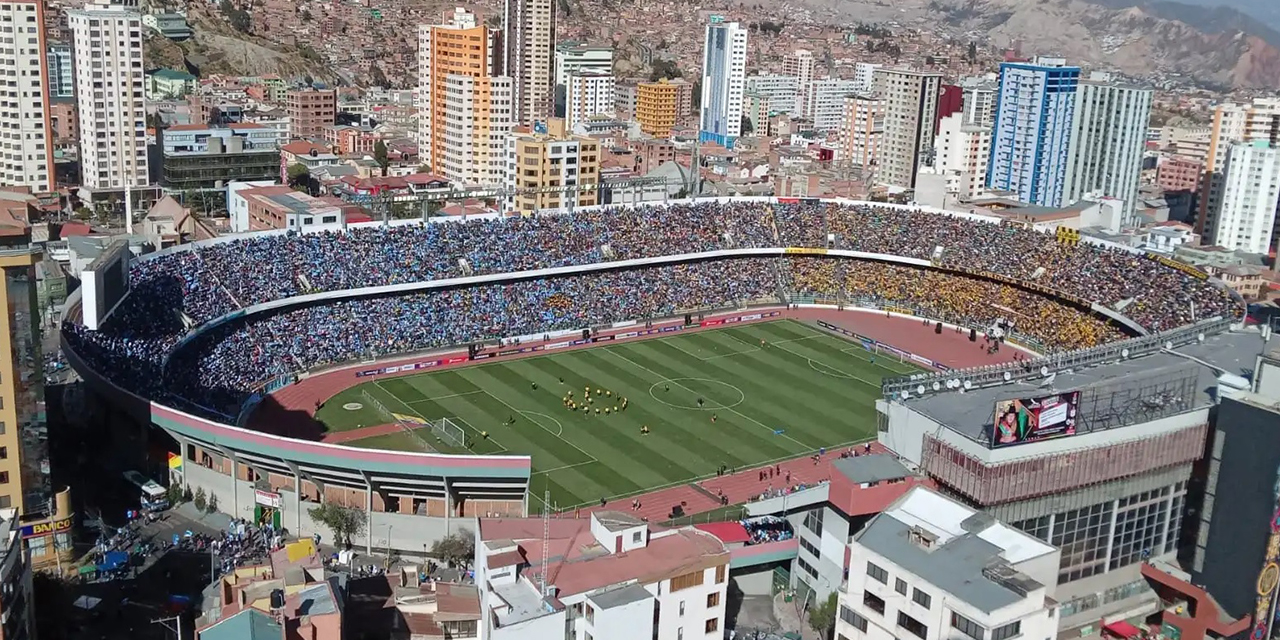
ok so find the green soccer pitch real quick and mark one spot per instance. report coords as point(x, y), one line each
point(800, 390)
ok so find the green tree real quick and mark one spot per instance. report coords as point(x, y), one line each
point(747, 127)
point(174, 494)
point(663, 68)
point(299, 177)
point(380, 156)
point(213, 504)
point(458, 549)
point(200, 500)
point(822, 617)
point(342, 522)
point(422, 168)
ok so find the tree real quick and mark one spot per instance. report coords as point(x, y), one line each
point(663, 68)
point(380, 156)
point(299, 177)
point(458, 549)
point(422, 168)
point(973, 52)
point(200, 501)
point(174, 494)
point(822, 617)
point(747, 127)
point(213, 503)
point(342, 522)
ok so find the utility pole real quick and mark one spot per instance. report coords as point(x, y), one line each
point(177, 620)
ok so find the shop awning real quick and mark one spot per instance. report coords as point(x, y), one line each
point(1123, 629)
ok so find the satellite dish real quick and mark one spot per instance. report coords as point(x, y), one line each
point(920, 389)
point(1200, 337)
point(1169, 345)
point(936, 385)
point(1124, 352)
point(968, 385)
point(905, 394)
point(1044, 371)
point(1008, 376)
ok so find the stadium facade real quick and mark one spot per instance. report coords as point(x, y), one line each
point(1110, 494)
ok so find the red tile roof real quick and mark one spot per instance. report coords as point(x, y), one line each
point(728, 532)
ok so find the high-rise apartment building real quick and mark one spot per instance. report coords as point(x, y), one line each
point(799, 65)
point(979, 101)
point(530, 39)
point(1108, 140)
point(464, 108)
point(861, 129)
point(910, 108)
point(684, 97)
point(656, 104)
point(962, 151)
point(824, 102)
point(1030, 142)
point(538, 163)
point(62, 79)
point(755, 108)
point(589, 93)
point(783, 92)
point(1232, 122)
point(724, 74)
point(310, 111)
point(864, 74)
point(573, 57)
point(26, 150)
point(1250, 189)
point(107, 40)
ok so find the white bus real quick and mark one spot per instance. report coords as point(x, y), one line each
point(154, 497)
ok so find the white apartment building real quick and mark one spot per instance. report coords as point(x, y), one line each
point(109, 96)
point(962, 151)
point(530, 40)
point(1246, 214)
point(824, 102)
point(589, 93)
point(910, 109)
point(609, 576)
point(62, 79)
point(799, 64)
point(979, 100)
point(1232, 123)
point(1108, 141)
point(724, 74)
point(930, 568)
point(861, 128)
point(576, 58)
point(783, 92)
point(26, 146)
point(864, 74)
point(478, 118)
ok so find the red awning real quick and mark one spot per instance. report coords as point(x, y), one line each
point(1123, 629)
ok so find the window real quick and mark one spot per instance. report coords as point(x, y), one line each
point(880, 575)
point(1010, 630)
point(808, 546)
point(682, 608)
point(873, 602)
point(591, 614)
point(967, 626)
point(813, 520)
point(900, 586)
point(635, 537)
point(713, 600)
point(713, 625)
point(921, 598)
point(856, 621)
point(4, 477)
point(679, 633)
point(720, 570)
point(4, 453)
point(686, 581)
point(915, 627)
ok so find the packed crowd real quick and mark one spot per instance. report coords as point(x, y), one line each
point(979, 304)
point(176, 291)
point(767, 529)
point(208, 280)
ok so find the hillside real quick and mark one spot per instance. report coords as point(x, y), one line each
point(218, 48)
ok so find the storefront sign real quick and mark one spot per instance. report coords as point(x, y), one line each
point(41, 529)
point(266, 498)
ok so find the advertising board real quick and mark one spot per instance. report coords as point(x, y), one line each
point(1023, 420)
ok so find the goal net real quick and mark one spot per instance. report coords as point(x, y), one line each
point(407, 423)
point(449, 431)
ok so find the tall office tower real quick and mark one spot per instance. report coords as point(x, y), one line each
point(724, 74)
point(962, 154)
point(1250, 189)
point(783, 92)
point(589, 93)
point(910, 108)
point(979, 101)
point(824, 102)
point(27, 145)
point(799, 65)
point(1232, 122)
point(62, 79)
point(1030, 141)
point(109, 94)
point(861, 129)
point(464, 107)
point(864, 74)
point(1108, 139)
point(530, 39)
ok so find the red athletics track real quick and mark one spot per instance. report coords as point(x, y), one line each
point(291, 411)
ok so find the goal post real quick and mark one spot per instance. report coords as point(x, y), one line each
point(409, 424)
point(448, 431)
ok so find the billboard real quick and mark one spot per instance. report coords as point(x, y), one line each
point(1023, 420)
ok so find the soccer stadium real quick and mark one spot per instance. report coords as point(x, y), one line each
point(672, 359)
